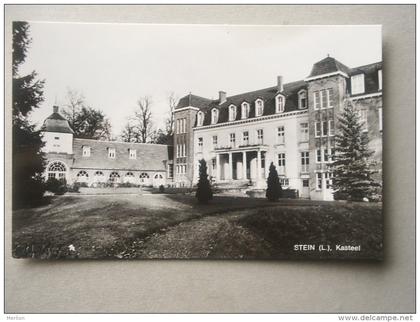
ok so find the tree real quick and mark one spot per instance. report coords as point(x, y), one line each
point(143, 118)
point(86, 122)
point(204, 193)
point(351, 167)
point(161, 137)
point(169, 124)
point(130, 133)
point(274, 190)
point(28, 159)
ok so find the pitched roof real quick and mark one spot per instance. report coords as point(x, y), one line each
point(371, 77)
point(290, 91)
point(328, 65)
point(193, 100)
point(56, 123)
point(150, 157)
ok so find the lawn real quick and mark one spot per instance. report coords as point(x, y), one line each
point(175, 226)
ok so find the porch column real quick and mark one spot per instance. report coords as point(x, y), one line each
point(258, 164)
point(217, 167)
point(230, 175)
point(244, 165)
point(266, 165)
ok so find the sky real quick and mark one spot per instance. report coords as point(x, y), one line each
point(113, 65)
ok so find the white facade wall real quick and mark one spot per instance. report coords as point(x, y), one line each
point(292, 145)
point(58, 142)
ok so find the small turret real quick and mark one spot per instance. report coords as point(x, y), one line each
point(57, 133)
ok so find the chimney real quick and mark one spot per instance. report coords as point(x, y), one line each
point(222, 97)
point(55, 109)
point(280, 83)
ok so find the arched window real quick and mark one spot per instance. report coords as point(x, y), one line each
point(259, 107)
point(114, 177)
point(144, 178)
point(129, 177)
point(82, 176)
point(280, 100)
point(200, 118)
point(232, 113)
point(302, 99)
point(158, 176)
point(245, 110)
point(214, 115)
point(57, 170)
point(98, 176)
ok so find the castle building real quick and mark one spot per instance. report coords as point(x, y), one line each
point(94, 161)
point(291, 124)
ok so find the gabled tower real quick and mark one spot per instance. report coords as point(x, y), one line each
point(327, 86)
point(58, 138)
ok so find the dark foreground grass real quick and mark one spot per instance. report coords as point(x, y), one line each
point(139, 226)
point(333, 224)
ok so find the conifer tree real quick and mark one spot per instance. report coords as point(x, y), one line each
point(204, 193)
point(352, 166)
point(274, 190)
point(28, 159)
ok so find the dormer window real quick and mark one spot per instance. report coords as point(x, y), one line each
point(232, 113)
point(132, 153)
point(302, 99)
point(111, 153)
point(200, 118)
point(86, 151)
point(280, 103)
point(259, 107)
point(245, 110)
point(380, 79)
point(358, 84)
point(214, 115)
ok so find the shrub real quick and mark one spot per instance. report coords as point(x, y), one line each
point(161, 189)
point(273, 192)
point(58, 187)
point(204, 193)
point(74, 187)
point(29, 193)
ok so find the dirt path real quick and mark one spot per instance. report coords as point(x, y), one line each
point(216, 236)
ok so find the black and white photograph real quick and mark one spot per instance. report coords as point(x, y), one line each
point(197, 141)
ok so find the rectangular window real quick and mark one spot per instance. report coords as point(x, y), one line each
point(317, 100)
point(380, 79)
point(304, 160)
point(318, 156)
point(280, 135)
point(215, 141)
point(358, 84)
point(282, 163)
point(111, 153)
point(330, 98)
point(331, 127)
point(56, 138)
point(324, 128)
point(318, 181)
point(184, 150)
point(324, 99)
point(328, 180)
point(380, 118)
point(304, 132)
point(200, 144)
point(232, 140)
point(213, 164)
point(86, 151)
point(132, 154)
point(317, 129)
point(260, 136)
point(284, 182)
point(326, 155)
point(305, 183)
point(170, 170)
point(245, 138)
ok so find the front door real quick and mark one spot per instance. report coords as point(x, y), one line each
point(305, 189)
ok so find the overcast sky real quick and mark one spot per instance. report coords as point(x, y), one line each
point(115, 64)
